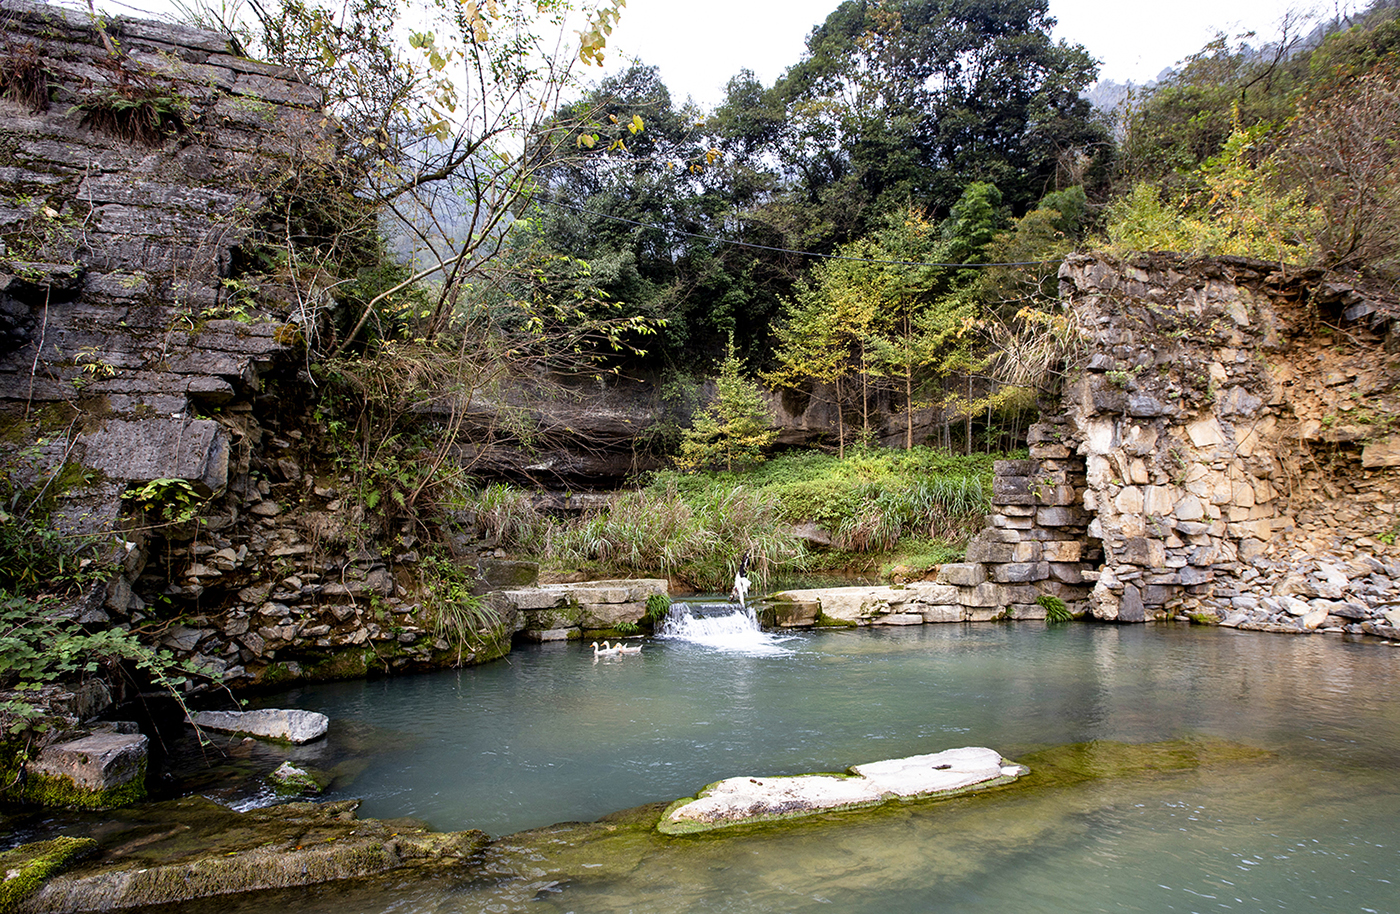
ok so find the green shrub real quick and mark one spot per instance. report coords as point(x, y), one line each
point(658, 606)
point(41, 643)
point(1055, 608)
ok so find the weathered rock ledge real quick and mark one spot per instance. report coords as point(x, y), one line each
point(179, 851)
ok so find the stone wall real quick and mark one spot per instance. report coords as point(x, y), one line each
point(1224, 447)
point(127, 349)
point(118, 336)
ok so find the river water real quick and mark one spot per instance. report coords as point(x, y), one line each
point(1295, 805)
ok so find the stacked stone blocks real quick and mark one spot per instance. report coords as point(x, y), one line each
point(1034, 545)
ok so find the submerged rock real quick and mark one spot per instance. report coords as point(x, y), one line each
point(271, 723)
point(748, 800)
point(169, 853)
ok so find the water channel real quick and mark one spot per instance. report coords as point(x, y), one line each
point(1294, 805)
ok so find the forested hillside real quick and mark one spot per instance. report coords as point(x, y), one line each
point(878, 228)
point(840, 222)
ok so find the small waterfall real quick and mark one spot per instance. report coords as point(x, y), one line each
point(719, 625)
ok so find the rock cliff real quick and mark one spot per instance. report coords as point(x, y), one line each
point(1225, 444)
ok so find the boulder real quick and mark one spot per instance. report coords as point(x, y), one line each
point(288, 781)
point(962, 574)
point(610, 615)
point(788, 610)
point(291, 726)
point(96, 772)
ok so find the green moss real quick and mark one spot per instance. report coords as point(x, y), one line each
point(351, 663)
point(291, 781)
point(1100, 759)
point(1202, 619)
point(273, 674)
point(62, 792)
point(825, 621)
point(25, 868)
point(645, 816)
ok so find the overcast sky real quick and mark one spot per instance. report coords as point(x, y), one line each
point(699, 46)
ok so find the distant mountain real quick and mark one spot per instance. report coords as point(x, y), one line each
point(1107, 95)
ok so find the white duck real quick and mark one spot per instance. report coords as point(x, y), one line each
point(606, 650)
point(625, 649)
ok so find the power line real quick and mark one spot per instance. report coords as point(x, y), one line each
point(767, 247)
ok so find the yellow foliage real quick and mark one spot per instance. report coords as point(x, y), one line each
point(1240, 211)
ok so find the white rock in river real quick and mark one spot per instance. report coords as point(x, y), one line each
point(748, 799)
point(941, 772)
point(742, 800)
point(271, 723)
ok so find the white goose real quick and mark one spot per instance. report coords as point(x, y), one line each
point(624, 649)
point(606, 650)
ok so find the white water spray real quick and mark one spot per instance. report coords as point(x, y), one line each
point(720, 626)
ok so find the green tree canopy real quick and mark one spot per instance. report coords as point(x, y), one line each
point(908, 101)
point(734, 429)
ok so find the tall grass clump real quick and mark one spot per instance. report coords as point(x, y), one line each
point(699, 536)
point(459, 617)
point(509, 517)
point(942, 508)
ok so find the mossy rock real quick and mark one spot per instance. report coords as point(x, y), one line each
point(168, 853)
point(290, 781)
point(25, 868)
point(351, 663)
point(62, 793)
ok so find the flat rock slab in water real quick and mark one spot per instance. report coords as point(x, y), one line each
point(939, 773)
point(293, 726)
point(747, 800)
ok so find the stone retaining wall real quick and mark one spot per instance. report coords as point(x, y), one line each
point(561, 612)
point(119, 339)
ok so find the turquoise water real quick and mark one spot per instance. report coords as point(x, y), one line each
point(552, 735)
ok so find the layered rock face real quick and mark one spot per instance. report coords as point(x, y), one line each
point(1225, 447)
point(128, 178)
